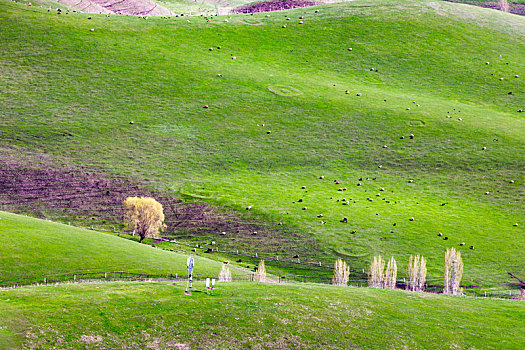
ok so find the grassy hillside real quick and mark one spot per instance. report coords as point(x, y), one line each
point(32, 248)
point(71, 93)
point(251, 316)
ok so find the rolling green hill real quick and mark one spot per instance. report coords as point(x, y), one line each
point(416, 67)
point(253, 316)
point(401, 116)
point(31, 249)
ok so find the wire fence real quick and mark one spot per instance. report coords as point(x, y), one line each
point(294, 261)
point(492, 292)
point(72, 277)
point(323, 269)
point(311, 264)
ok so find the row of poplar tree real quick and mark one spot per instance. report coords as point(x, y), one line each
point(416, 273)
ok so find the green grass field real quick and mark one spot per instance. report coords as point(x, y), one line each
point(57, 76)
point(252, 316)
point(32, 249)
point(288, 106)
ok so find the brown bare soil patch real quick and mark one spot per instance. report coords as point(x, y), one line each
point(274, 5)
point(36, 185)
point(119, 7)
point(515, 7)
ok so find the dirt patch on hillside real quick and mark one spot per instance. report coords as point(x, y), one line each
point(274, 5)
point(36, 185)
point(119, 7)
point(515, 7)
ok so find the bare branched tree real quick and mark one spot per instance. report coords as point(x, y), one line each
point(145, 214)
point(391, 274)
point(375, 274)
point(422, 275)
point(341, 273)
point(416, 273)
point(453, 271)
point(412, 269)
point(522, 285)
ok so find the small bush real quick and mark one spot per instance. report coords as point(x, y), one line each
point(260, 274)
point(225, 274)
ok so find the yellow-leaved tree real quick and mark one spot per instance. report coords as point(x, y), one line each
point(146, 215)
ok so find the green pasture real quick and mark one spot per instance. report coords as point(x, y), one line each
point(252, 316)
point(412, 64)
point(32, 249)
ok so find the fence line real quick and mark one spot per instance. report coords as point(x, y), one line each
point(296, 261)
point(293, 263)
point(77, 277)
point(106, 276)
